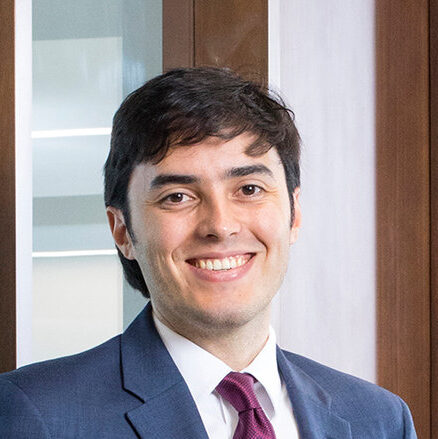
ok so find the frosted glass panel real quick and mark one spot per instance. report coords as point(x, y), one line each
point(77, 82)
point(69, 166)
point(87, 56)
point(77, 303)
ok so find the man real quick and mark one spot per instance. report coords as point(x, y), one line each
point(202, 195)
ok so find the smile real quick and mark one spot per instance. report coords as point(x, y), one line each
point(227, 263)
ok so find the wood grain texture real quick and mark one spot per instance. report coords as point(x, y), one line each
point(233, 34)
point(178, 34)
point(403, 204)
point(433, 48)
point(7, 189)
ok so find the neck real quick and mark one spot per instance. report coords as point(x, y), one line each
point(237, 347)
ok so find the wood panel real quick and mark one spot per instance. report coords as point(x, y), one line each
point(7, 189)
point(178, 34)
point(233, 34)
point(433, 20)
point(403, 209)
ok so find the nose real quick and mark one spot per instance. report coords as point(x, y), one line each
point(218, 219)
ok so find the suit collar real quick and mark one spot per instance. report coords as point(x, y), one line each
point(168, 410)
point(311, 404)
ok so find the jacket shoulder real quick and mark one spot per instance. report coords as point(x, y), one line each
point(71, 397)
point(69, 384)
point(360, 402)
point(333, 380)
point(72, 371)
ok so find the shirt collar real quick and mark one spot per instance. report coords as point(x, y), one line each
point(203, 371)
point(264, 368)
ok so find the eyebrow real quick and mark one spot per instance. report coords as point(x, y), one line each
point(165, 179)
point(241, 171)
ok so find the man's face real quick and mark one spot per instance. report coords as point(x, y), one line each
point(211, 228)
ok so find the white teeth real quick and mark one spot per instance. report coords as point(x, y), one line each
point(221, 264)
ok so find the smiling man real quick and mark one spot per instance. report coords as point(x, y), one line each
point(202, 195)
point(212, 241)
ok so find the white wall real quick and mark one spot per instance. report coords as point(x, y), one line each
point(23, 177)
point(322, 61)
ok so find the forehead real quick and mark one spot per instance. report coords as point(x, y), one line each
point(209, 160)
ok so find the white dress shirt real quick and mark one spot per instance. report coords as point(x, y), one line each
point(203, 371)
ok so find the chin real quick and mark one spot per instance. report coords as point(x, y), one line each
point(226, 317)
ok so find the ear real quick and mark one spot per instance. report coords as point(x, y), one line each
point(120, 232)
point(297, 217)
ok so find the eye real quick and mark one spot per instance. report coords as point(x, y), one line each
point(176, 198)
point(251, 189)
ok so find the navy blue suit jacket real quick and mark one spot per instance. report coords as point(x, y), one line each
point(129, 387)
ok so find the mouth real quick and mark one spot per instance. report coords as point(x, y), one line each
point(221, 264)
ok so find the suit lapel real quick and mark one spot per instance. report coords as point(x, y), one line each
point(311, 404)
point(172, 414)
point(168, 410)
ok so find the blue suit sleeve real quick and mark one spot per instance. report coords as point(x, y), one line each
point(409, 429)
point(19, 418)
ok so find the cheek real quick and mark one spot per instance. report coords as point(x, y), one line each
point(272, 226)
point(164, 238)
point(155, 255)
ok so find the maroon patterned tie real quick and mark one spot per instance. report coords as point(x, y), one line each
point(238, 389)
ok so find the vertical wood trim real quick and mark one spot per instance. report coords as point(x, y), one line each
point(233, 34)
point(433, 48)
point(403, 204)
point(217, 33)
point(7, 189)
point(178, 38)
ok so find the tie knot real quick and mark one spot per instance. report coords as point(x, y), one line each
point(238, 389)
